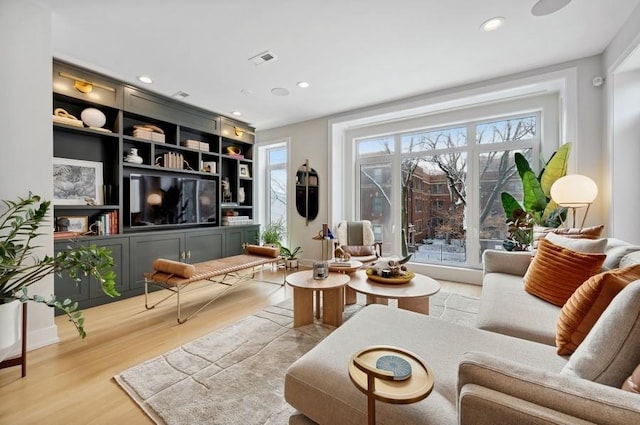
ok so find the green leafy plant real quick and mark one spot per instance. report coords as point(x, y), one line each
point(273, 233)
point(537, 206)
point(20, 267)
point(290, 254)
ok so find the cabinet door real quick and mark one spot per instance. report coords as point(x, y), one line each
point(233, 240)
point(204, 244)
point(65, 287)
point(120, 252)
point(146, 248)
point(251, 235)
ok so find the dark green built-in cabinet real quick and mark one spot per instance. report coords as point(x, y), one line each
point(225, 153)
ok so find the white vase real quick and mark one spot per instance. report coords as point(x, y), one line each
point(133, 157)
point(241, 195)
point(10, 327)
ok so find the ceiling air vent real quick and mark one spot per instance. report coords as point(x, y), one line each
point(180, 95)
point(263, 57)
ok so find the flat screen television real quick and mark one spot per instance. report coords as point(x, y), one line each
point(156, 200)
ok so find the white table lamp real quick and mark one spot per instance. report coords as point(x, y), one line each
point(574, 191)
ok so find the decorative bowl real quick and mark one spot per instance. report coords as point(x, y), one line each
point(396, 280)
point(93, 117)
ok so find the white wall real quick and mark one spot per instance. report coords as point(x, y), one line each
point(584, 127)
point(25, 126)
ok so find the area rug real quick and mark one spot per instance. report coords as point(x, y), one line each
point(236, 375)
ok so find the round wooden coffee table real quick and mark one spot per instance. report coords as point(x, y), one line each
point(332, 290)
point(412, 296)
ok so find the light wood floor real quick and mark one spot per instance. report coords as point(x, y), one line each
point(71, 382)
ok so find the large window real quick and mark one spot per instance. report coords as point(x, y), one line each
point(276, 183)
point(448, 181)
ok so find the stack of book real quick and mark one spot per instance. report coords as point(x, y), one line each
point(108, 223)
point(196, 144)
point(236, 220)
point(172, 160)
point(338, 263)
point(147, 134)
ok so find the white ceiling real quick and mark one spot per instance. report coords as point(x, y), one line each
point(355, 53)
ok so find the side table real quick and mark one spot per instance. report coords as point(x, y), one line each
point(332, 290)
point(380, 385)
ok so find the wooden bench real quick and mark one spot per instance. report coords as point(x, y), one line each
point(175, 276)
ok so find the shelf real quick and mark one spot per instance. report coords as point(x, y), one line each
point(84, 130)
point(86, 207)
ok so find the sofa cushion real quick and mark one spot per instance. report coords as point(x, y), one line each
point(587, 303)
point(556, 272)
point(616, 250)
point(632, 383)
point(593, 232)
point(318, 383)
point(579, 245)
point(507, 309)
point(630, 259)
point(610, 351)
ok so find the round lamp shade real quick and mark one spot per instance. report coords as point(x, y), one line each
point(574, 190)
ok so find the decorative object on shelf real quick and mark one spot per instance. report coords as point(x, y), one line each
point(20, 266)
point(94, 118)
point(172, 160)
point(74, 180)
point(320, 270)
point(133, 157)
point(61, 116)
point(234, 150)
point(209, 167)
point(196, 144)
point(62, 224)
point(307, 195)
point(227, 195)
point(149, 132)
point(241, 195)
point(243, 171)
point(574, 191)
point(78, 224)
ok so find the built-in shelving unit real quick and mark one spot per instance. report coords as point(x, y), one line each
point(170, 202)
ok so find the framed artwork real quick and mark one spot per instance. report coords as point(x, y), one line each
point(244, 170)
point(77, 182)
point(78, 224)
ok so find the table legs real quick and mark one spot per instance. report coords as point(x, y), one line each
point(417, 304)
point(332, 306)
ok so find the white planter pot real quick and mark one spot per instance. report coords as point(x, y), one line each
point(10, 327)
point(292, 264)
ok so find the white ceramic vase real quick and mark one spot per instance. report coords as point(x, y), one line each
point(10, 327)
point(241, 196)
point(133, 157)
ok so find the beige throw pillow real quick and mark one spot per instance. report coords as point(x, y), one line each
point(579, 245)
point(610, 351)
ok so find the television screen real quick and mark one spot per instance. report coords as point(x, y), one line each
point(170, 200)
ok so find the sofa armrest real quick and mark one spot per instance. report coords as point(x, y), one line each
point(528, 387)
point(496, 261)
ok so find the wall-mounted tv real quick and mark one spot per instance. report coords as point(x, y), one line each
point(158, 200)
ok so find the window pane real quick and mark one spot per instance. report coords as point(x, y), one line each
point(498, 174)
point(375, 199)
point(382, 145)
point(506, 130)
point(436, 233)
point(277, 181)
point(436, 139)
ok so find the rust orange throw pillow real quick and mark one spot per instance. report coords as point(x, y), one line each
point(556, 272)
point(587, 303)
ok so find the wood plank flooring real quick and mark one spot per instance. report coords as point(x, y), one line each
point(71, 382)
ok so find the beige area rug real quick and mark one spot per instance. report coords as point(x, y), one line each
point(235, 375)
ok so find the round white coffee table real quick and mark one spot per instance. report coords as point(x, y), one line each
point(332, 290)
point(412, 296)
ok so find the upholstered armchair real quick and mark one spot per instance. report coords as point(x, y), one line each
point(356, 238)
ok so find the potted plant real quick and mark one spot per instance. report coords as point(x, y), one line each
point(20, 267)
point(273, 233)
point(290, 256)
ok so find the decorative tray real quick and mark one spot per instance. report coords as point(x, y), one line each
point(396, 280)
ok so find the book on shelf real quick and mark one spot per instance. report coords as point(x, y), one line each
point(340, 264)
point(108, 223)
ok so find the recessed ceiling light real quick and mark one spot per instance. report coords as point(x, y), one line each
point(236, 113)
point(279, 91)
point(547, 7)
point(303, 84)
point(492, 24)
point(145, 79)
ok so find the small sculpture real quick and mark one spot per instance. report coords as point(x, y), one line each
point(226, 190)
point(389, 267)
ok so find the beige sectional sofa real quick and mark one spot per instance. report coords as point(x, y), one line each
point(506, 371)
